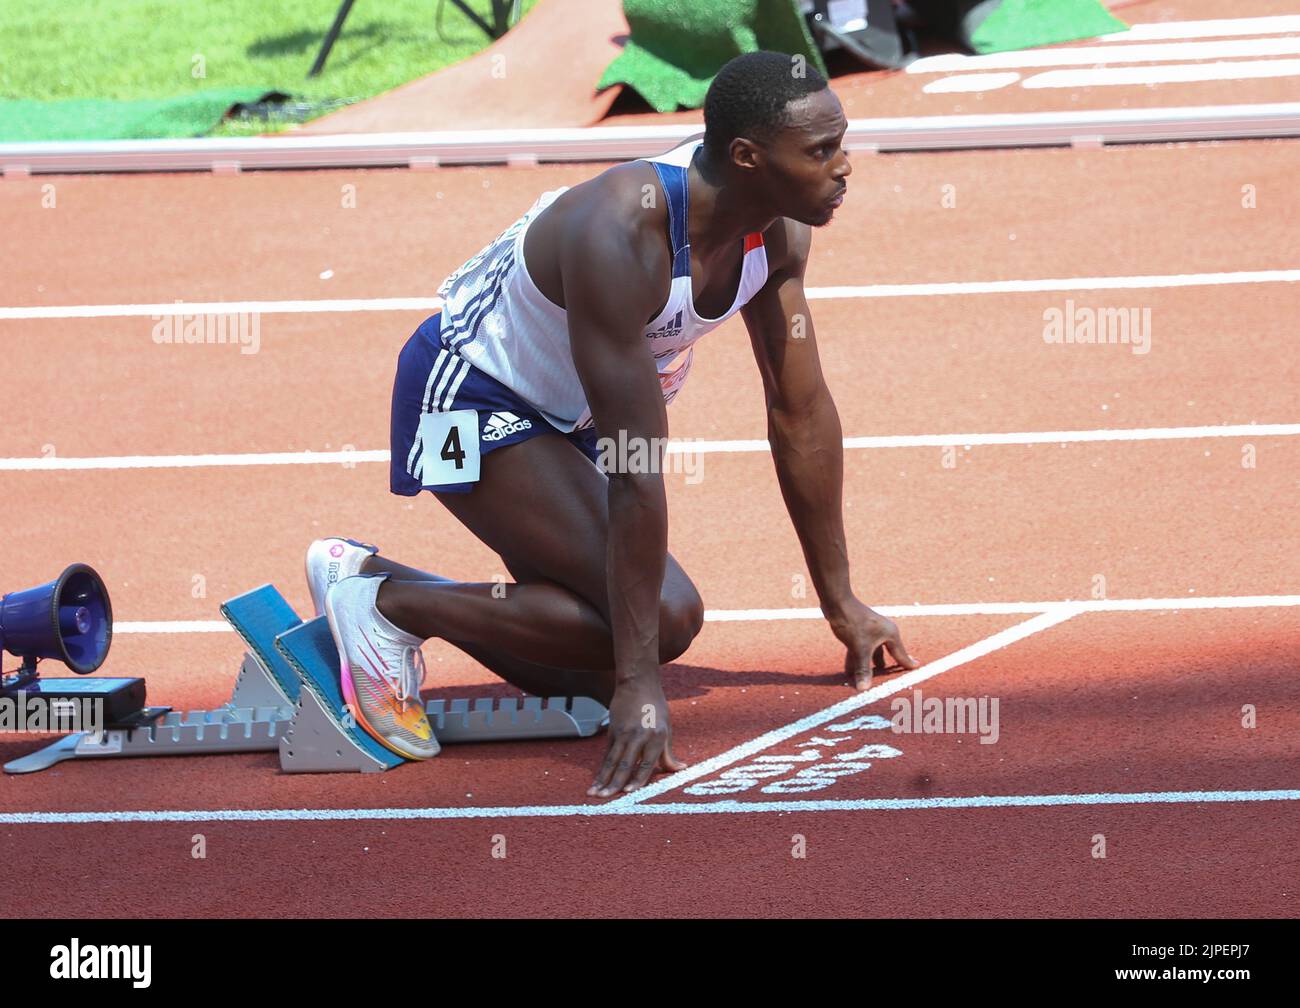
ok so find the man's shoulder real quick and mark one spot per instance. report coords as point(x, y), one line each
point(621, 206)
point(625, 202)
point(618, 197)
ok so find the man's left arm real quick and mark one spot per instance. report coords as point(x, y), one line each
point(803, 428)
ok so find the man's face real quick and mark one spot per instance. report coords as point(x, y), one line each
point(806, 168)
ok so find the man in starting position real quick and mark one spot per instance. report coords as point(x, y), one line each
point(571, 332)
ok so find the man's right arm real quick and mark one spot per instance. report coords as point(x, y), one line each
point(613, 282)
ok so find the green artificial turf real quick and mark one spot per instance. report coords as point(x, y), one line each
point(203, 52)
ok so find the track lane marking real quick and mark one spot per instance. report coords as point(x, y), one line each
point(1166, 73)
point(995, 642)
point(892, 611)
point(1210, 28)
point(666, 808)
point(1057, 284)
point(678, 446)
point(1093, 55)
point(1137, 282)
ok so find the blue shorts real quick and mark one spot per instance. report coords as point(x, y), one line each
point(433, 379)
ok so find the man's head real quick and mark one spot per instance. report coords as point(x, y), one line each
point(772, 123)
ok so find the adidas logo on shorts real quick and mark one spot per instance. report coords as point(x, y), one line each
point(501, 425)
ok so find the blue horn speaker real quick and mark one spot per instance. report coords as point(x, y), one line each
point(68, 619)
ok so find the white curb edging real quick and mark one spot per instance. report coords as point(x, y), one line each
point(616, 143)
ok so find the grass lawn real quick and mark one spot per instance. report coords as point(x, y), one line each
point(133, 49)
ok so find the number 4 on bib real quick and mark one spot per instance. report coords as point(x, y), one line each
point(450, 448)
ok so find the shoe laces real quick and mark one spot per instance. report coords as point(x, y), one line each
point(411, 676)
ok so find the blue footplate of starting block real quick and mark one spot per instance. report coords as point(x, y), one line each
point(260, 616)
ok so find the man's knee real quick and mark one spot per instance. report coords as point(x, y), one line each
point(680, 621)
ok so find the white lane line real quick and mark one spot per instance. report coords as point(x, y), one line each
point(1217, 27)
point(1057, 284)
point(1182, 73)
point(221, 308)
point(1019, 608)
point(54, 464)
point(170, 626)
point(1190, 602)
point(678, 446)
point(724, 807)
point(892, 611)
point(972, 652)
point(1049, 437)
point(971, 82)
point(1093, 55)
point(33, 312)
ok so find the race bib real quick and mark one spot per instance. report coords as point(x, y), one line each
point(450, 452)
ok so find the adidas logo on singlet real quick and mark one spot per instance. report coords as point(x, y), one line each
point(672, 328)
point(502, 425)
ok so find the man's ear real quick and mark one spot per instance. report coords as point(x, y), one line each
point(746, 154)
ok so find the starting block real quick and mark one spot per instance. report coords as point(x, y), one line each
point(261, 707)
point(288, 697)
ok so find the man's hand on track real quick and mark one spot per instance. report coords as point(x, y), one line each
point(868, 636)
point(640, 740)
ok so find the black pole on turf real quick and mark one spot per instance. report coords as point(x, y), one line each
point(330, 38)
point(489, 30)
point(500, 19)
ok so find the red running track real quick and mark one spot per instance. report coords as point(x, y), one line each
point(1123, 725)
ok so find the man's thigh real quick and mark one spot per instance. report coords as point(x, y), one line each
point(543, 507)
point(540, 500)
